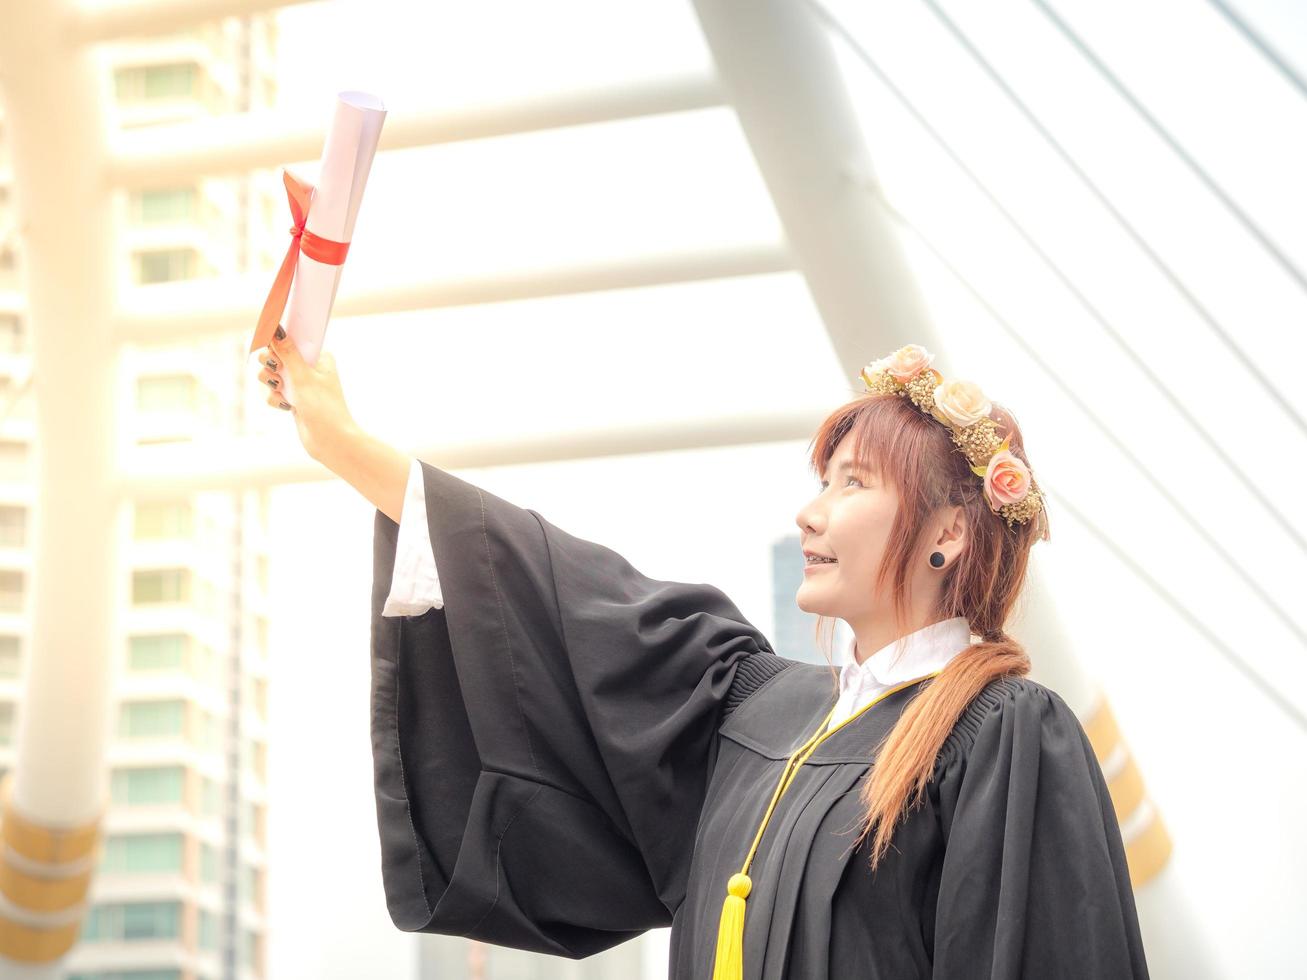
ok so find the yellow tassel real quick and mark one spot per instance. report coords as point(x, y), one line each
point(730, 934)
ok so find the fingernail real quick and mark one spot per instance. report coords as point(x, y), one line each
point(272, 365)
point(272, 382)
point(281, 334)
point(285, 406)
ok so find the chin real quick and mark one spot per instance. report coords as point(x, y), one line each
point(806, 604)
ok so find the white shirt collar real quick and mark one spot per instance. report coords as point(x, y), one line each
point(925, 651)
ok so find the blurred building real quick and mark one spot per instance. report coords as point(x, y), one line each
point(794, 631)
point(180, 891)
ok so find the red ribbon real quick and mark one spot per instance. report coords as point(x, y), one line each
point(324, 250)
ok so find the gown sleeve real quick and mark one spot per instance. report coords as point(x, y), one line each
point(541, 742)
point(1034, 880)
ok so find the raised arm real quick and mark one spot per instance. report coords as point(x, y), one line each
point(370, 466)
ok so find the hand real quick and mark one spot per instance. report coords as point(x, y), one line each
point(321, 416)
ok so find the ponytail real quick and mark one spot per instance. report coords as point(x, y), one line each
point(906, 760)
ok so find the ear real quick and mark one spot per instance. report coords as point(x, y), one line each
point(952, 528)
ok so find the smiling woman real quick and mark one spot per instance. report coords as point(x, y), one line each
point(568, 753)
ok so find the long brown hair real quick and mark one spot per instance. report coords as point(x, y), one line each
point(915, 455)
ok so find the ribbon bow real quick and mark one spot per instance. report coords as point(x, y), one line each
point(324, 250)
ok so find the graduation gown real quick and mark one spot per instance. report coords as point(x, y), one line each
point(569, 753)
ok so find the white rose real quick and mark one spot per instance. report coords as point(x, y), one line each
point(961, 402)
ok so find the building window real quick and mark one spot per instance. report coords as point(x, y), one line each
point(172, 205)
point(167, 393)
point(142, 853)
point(13, 339)
point(138, 83)
point(212, 801)
point(249, 947)
point(249, 886)
point(208, 863)
point(11, 656)
point(160, 585)
point(257, 695)
point(163, 651)
point(255, 759)
point(13, 526)
point(15, 400)
point(15, 460)
point(147, 785)
point(166, 265)
point(12, 590)
point(151, 719)
point(133, 922)
point(161, 519)
point(208, 930)
point(209, 736)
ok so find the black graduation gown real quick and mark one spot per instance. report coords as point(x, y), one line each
point(569, 753)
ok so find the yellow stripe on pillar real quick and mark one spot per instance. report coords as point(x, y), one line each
point(28, 944)
point(51, 845)
point(35, 877)
point(1147, 852)
point(43, 893)
point(1147, 843)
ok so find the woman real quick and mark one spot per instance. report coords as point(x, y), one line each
point(567, 752)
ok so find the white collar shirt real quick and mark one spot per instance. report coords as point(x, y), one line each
point(925, 651)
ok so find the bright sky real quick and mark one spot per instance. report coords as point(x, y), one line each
point(685, 352)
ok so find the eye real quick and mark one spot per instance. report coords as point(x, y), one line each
point(823, 483)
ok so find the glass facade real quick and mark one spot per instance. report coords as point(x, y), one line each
point(151, 719)
point(132, 922)
point(147, 785)
point(143, 853)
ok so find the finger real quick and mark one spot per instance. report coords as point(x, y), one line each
point(270, 379)
point(291, 363)
point(276, 400)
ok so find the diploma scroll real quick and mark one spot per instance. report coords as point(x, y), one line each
point(305, 288)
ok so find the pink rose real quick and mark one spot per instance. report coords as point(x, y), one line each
point(1007, 480)
point(907, 362)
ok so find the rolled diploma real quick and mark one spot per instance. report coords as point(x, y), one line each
point(346, 160)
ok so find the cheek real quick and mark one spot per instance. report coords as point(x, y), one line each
point(859, 536)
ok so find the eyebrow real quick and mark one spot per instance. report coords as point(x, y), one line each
point(846, 466)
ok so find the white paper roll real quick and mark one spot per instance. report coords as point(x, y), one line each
point(343, 174)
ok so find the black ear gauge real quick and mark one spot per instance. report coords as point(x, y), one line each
point(937, 559)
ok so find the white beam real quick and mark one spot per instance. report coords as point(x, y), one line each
point(191, 310)
point(155, 18)
point(168, 471)
point(241, 142)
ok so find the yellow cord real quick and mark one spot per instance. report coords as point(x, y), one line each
point(729, 961)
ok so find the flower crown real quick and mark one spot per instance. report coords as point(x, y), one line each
point(962, 407)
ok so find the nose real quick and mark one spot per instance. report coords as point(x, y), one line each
point(810, 517)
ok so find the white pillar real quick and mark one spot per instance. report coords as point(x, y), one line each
point(56, 135)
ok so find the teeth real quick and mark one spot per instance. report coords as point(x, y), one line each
point(814, 560)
